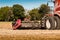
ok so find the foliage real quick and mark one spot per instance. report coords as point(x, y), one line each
point(9, 13)
point(18, 11)
point(5, 13)
point(34, 14)
point(44, 9)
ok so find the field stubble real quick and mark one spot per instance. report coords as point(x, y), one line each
point(29, 34)
point(6, 33)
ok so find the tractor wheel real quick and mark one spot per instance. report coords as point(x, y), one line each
point(49, 23)
point(57, 22)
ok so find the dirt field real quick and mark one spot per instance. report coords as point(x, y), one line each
point(7, 34)
point(5, 25)
point(29, 34)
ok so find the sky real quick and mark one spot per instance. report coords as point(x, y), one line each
point(27, 4)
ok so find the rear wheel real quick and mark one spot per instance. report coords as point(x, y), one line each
point(57, 22)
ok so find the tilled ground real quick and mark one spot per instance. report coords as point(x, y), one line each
point(29, 34)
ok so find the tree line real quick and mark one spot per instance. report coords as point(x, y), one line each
point(18, 11)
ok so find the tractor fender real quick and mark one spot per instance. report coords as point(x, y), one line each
point(58, 15)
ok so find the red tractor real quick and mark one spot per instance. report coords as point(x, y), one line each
point(52, 21)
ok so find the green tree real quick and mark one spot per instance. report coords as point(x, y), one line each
point(5, 13)
point(44, 9)
point(18, 11)
point(34, 14)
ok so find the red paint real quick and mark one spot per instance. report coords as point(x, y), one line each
point(57, 7)
point(18, 24)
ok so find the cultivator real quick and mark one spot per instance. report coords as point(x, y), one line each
point(49, 21)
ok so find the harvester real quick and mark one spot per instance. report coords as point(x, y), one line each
point(51, 20)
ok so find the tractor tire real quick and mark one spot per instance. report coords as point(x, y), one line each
point(49, 23)
point(57, 22)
